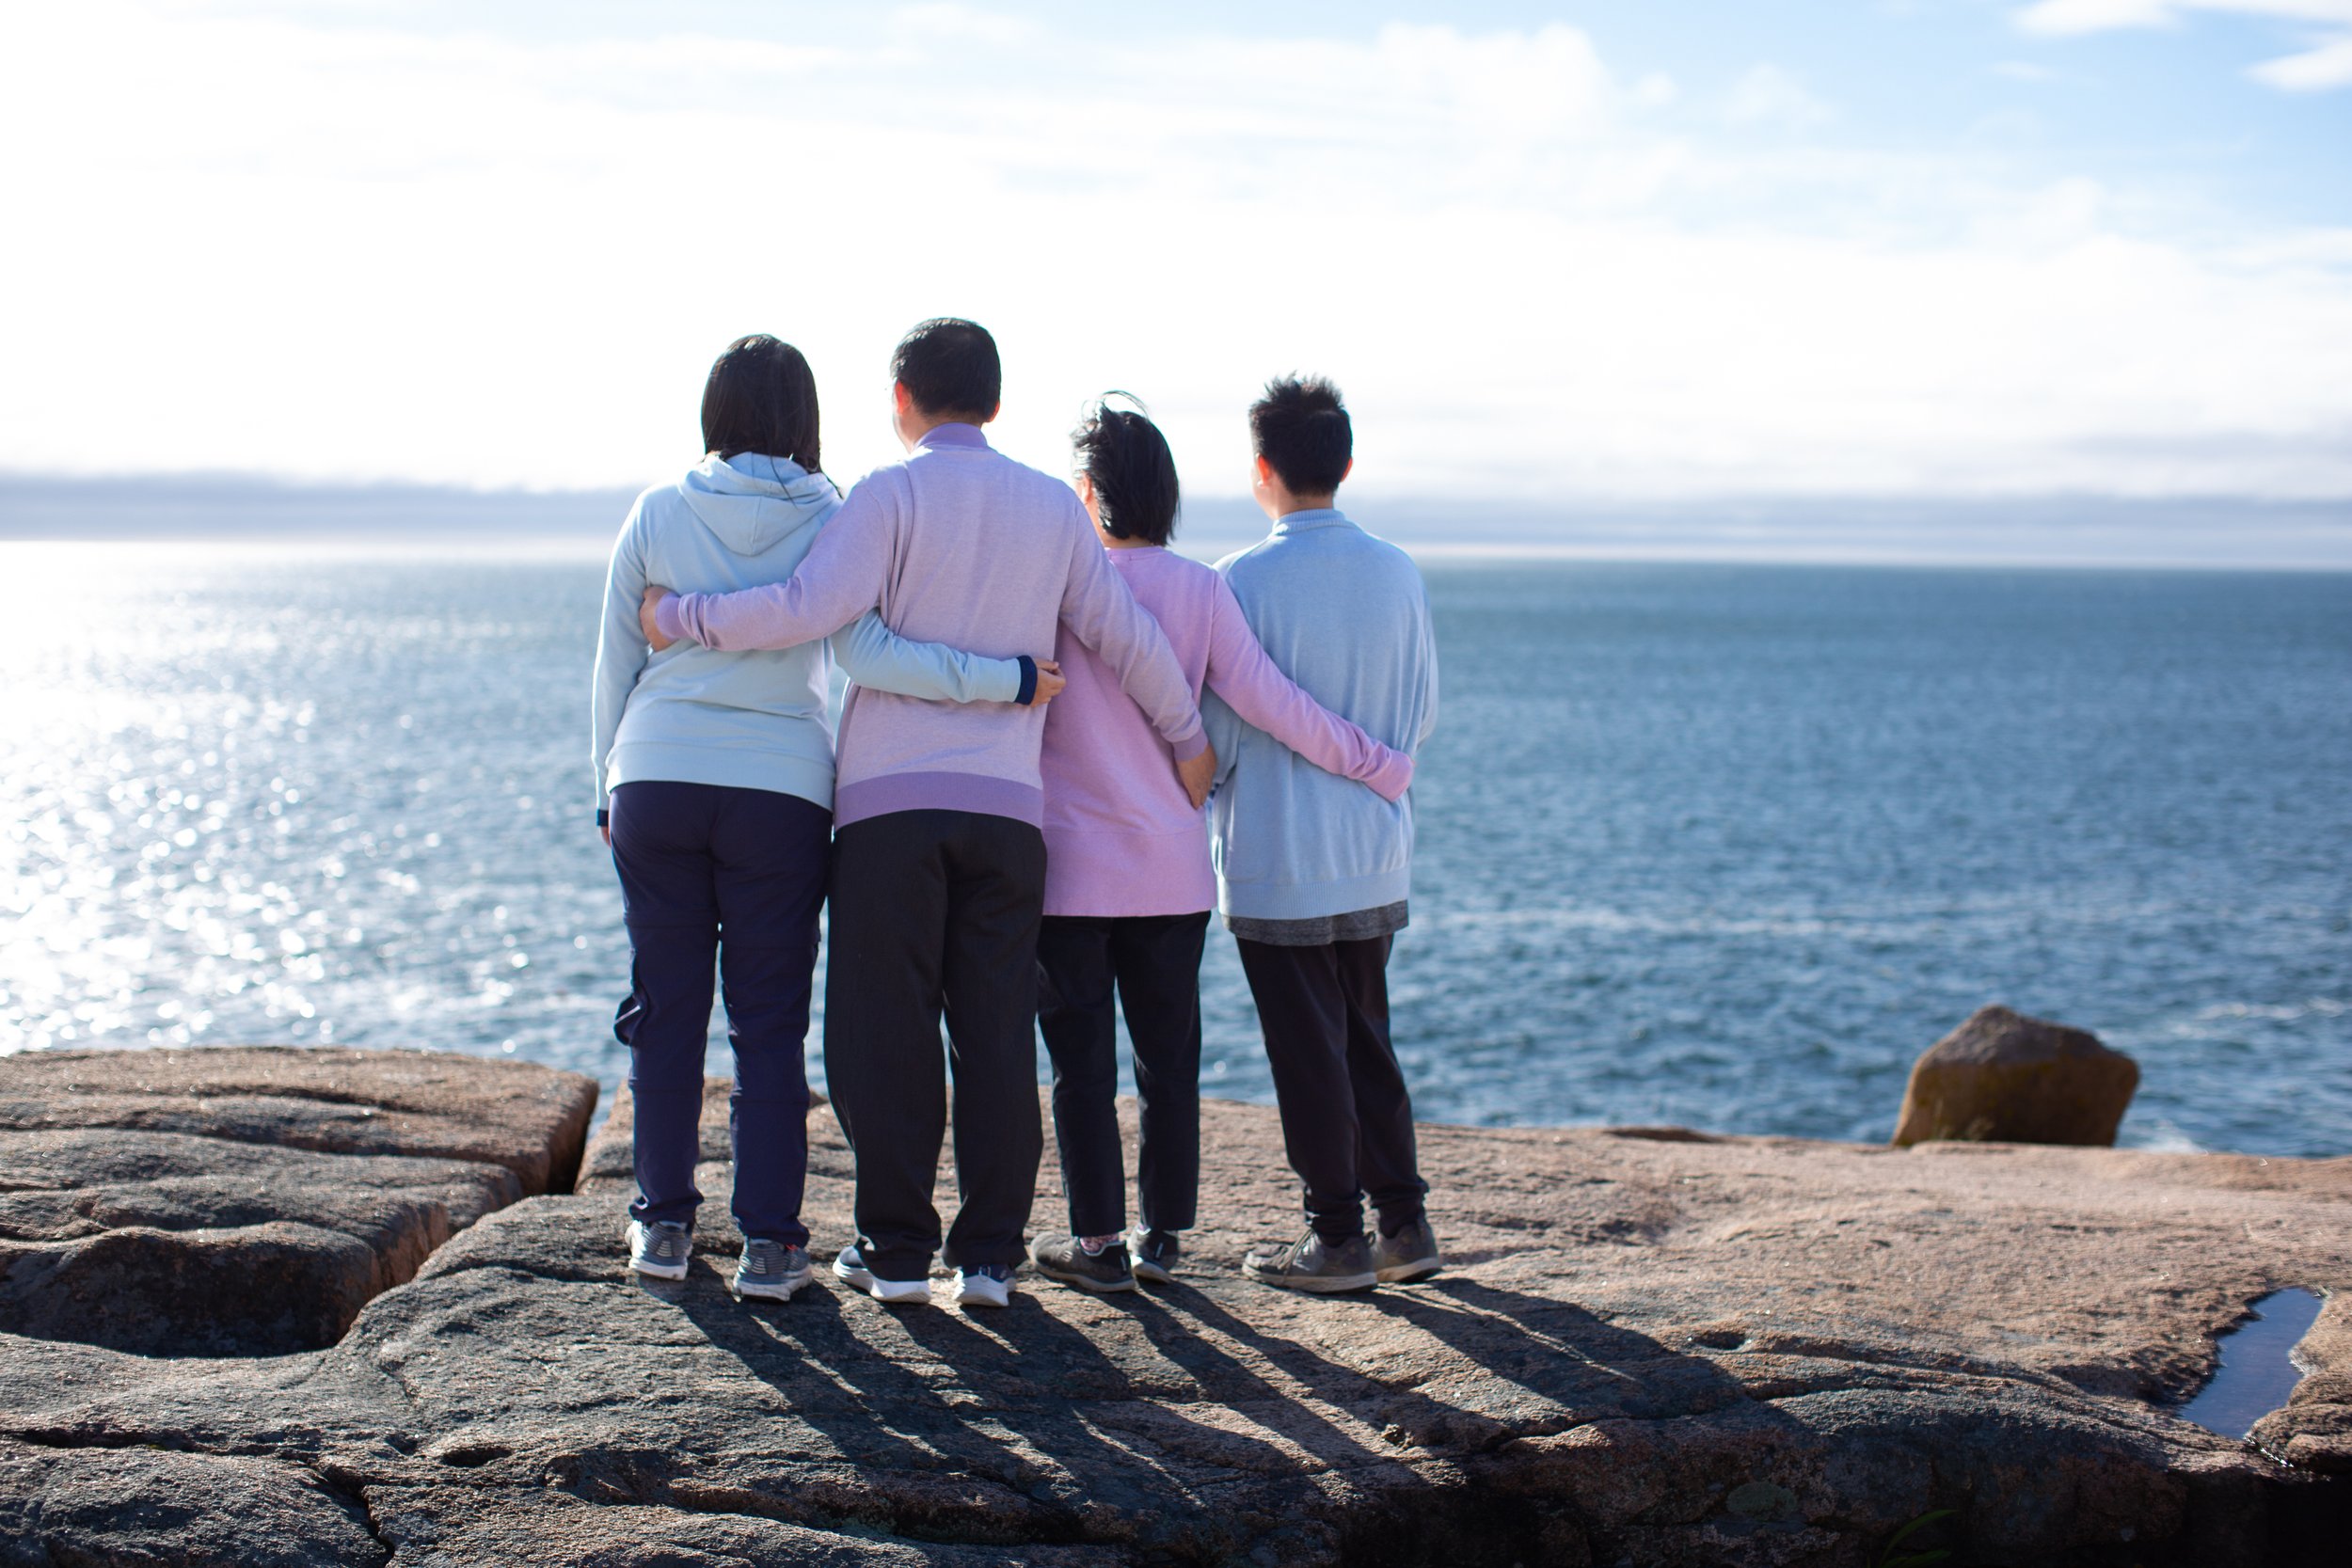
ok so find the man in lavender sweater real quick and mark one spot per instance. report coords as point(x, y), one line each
point(939, 867)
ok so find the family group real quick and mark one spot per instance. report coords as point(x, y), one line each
point(1044, 703)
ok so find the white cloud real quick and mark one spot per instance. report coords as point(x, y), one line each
point(2325, 64)
point(2322, 67)
point(361, 251)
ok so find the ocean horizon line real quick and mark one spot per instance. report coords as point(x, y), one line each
point(2067, 532)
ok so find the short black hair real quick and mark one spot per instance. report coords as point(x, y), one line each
point(761, 397)
point(949, 366)
point(1133, 473)
point(1301, 429)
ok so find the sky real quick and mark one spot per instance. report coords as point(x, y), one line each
point(1668, 254)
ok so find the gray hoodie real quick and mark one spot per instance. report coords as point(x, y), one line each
point(756, 720)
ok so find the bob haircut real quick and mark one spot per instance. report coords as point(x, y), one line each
point(949, 366)
point(761, 397)
point(1132, 472)
point(1302, 430)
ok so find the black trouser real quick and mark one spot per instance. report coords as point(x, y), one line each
point(1155, 963)
point(934, 909)
point(737, 875)
point(1347, 1121)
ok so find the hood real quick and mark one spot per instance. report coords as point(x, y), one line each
point(753, 502)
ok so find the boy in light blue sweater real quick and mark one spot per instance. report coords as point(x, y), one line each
point(1313, 872)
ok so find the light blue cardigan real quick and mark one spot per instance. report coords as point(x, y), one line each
point(1345, 616)
point(754, 719)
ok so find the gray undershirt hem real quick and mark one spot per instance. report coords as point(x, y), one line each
point(1322, 929)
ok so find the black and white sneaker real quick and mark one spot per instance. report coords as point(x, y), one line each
point(1063, 1258)
point(1153, 1255)
point(984, 1285)
point(1312, 1263)
point(849, 1265)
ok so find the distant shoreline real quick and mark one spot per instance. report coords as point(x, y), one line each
point(2055, 532)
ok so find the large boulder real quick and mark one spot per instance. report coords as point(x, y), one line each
point(2002, 1077)
point(251, 1201)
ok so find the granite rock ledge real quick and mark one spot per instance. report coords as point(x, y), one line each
point(1653, 1347)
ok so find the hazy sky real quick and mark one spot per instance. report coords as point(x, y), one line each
point(1666, 250)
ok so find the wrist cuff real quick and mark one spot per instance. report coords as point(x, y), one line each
point(604, 817)
point(1029, 681)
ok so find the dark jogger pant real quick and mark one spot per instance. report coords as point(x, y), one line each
point(1347, 1121)
point(1153, 963)
point(936, 911)
point(736, 875)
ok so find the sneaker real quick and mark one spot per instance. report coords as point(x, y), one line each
point(849, 1265)
point(984, 1285)
point(1154, 1254)
point(1312, 1263)
point(1410, 1254)
point(659, 1249)
point(1061, 1258)
point(770, 1270)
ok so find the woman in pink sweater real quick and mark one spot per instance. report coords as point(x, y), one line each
point(1128, 883)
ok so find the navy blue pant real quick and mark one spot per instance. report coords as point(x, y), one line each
point(1152, 963)
point(710, 873)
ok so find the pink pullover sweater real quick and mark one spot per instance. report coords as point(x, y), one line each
point(1120, 839)
point(962, 546)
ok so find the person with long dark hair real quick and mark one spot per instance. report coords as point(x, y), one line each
point(715, 786)
point(1128, 881)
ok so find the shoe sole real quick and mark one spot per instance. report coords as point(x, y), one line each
point(1155, 1274)
point(890, 1292)
point(658, 1270)
point(1407, 1273)
point(785, 1291)
point(974, 1298)
point(1317, 1285)
point(1086, 1282)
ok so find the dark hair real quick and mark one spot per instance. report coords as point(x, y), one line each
point(1301, 429)
point(761, 397)
point(949, 366)
point(1133, 473)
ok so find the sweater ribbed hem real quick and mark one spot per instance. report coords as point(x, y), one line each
point(737, 767)
point(1308, 900)
point(973, 792)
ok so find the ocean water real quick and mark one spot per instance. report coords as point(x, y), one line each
point(1719, 845)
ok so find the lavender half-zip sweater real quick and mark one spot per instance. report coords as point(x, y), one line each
point(1120, 837)
point(960, 545)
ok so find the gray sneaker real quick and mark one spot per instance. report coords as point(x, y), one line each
point(1152, 1254)
point(659, 1249)
point(770, 1270)
point(1061, 1258)
point(1410, 1254)
point(1311, 1263)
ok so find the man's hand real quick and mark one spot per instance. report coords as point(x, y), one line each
point(1050, 682)
point(655, 593)
point(1198, 775)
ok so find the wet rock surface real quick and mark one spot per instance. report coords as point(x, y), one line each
point(2003, 1077)
point(1647, 1349)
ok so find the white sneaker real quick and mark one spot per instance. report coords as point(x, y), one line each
point(659, 1249)
point(987, 1285)
point(850, 1266)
